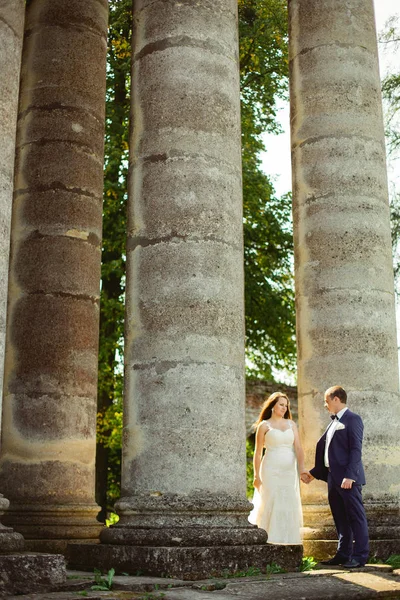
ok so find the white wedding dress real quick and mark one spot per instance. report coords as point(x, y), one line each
point(277, 507)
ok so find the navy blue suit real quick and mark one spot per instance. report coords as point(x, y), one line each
point(347, 508)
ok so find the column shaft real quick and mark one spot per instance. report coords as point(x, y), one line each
point(50, 386)
point(344, 278)
point(12, 14)
point(184, 439)
point(11, 35)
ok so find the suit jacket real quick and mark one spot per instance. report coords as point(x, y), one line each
point(344, 452)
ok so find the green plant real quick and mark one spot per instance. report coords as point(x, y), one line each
point(103, 584)
point(83, 593)
point(250, 571)
point(273, 568)
point(394, 561)
point(112, 520)
point(253, 571)
point(307, 563)
point(374, 560)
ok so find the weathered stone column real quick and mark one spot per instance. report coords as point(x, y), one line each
point(11, 34)
point(49, 416)
point(344, 279)
point(184, 343)
point(183, 507)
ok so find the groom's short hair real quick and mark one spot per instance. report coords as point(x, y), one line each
point(337, 391)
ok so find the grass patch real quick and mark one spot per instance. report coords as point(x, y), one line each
point(250, 572)
point(254, 571)
point(273, 568)
point(394, 561)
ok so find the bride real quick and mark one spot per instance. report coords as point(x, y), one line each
point(277, 505)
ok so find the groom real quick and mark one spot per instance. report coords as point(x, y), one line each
point(338, 461)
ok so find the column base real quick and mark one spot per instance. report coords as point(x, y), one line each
point(183, 536)
point(323, 549)
point(10, 541)
point(188, 563)
point(320, 537)
point(50, 528)
point(188, 537)
point(28, 573)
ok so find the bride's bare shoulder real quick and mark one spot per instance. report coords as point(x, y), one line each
point(264, 425)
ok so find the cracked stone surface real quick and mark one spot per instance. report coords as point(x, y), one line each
point(373, 581)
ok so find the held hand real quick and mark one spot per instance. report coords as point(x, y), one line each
point(347, 484)
point(257, 483)
point(306, 477)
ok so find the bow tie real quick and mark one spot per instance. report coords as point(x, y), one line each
point(333, 417)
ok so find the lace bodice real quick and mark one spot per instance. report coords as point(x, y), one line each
point(275, 438)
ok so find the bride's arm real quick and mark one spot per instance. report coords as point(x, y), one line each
point(260, 433)
point(298, 449)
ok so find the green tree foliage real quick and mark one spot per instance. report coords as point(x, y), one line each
point(391, 95)
point(391, 85)
point(268, 243)
point(108, 459)
point(268, 240)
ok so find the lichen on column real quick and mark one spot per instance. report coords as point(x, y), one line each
point(48, 446)
point(346, 326)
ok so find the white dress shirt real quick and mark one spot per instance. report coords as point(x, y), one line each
point(330, 432)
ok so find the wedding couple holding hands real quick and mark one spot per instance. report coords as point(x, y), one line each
point(277, 505)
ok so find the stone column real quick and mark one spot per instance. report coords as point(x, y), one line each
point(184, 350)
point(11, 35)
point(344, 278)
point(49, 412)
point(183, 509)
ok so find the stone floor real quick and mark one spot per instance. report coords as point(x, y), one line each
point(372, 581)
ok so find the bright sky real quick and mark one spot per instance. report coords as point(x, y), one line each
point(276, 161)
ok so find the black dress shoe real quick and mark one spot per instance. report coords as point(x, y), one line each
point(336, 560)
point(353, 564)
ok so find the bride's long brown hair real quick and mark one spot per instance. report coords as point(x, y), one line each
point(266, 409)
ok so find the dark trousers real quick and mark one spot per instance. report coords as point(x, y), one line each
point(351, 523)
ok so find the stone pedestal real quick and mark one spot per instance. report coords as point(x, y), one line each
point(48, 445)
point(183, 471)
point(31, 573)
point(188, 563)
point(346, 325)
point(21, 572)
